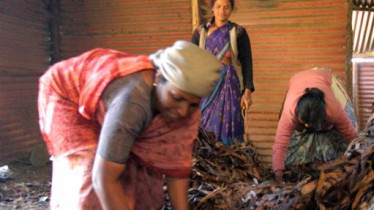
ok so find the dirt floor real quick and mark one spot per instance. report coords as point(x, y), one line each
point(25, 186)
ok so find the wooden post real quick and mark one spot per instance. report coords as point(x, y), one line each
point(195, 14)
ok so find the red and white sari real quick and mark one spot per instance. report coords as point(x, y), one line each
point(69, 93)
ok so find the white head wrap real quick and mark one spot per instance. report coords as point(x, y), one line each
point(188, 67)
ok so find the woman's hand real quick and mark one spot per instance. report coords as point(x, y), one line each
point(246, 100)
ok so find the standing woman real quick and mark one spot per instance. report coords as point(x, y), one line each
point(221, 110)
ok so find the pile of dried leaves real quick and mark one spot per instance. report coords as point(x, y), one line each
point(216, 166)
point(347, 183)
point(234, 178)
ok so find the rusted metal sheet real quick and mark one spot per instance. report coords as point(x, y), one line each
point(363, 58)
point(288, 36)
point(23, 57)
point(139, 27)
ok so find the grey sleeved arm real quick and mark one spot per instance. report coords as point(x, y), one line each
point(127, 115)
point(123, 122)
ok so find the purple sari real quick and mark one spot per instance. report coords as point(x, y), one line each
point(221, 113)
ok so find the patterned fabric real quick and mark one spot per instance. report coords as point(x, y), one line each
point(160, 150)
point(319, 146)
point(167, 147)
point(68, 96)
point(222, 115)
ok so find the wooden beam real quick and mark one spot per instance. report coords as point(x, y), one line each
point(195, 14)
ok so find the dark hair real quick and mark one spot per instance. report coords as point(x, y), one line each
point(311, 108)
point(232, 2)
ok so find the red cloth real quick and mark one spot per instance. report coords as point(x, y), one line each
point(170, 144)
point(336, 116)
point(161, 149)
point(69, 93)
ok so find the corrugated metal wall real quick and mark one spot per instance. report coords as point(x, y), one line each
point(23, 57)
point(363, 29)
point(288, 36)
point(363, 58)
point(364, 87)
point(139, 27)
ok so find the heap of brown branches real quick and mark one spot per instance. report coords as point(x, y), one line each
point(233, 177)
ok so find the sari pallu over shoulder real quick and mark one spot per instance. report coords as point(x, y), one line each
point(218, 43)
point(163, 149)
point(233, 46)
point(167, 147)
